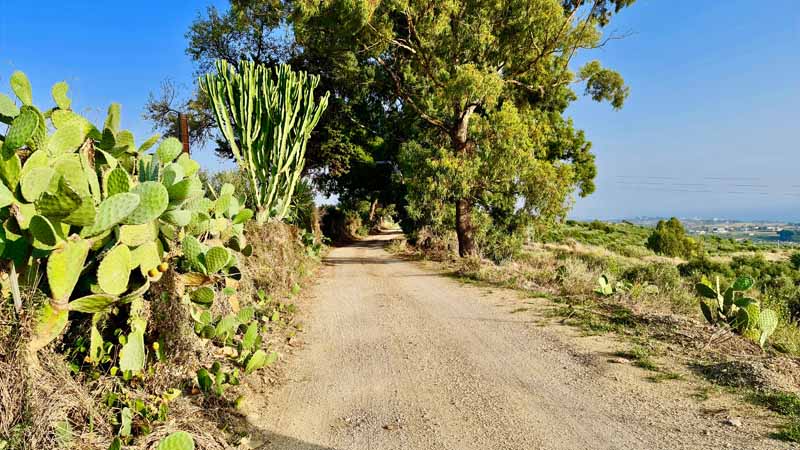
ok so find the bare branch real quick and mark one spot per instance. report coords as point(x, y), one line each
point(393, 41)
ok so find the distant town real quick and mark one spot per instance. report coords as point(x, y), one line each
point(756, 231)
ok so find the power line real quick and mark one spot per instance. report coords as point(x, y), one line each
point(718, 191)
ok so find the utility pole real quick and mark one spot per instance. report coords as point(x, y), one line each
point(184, 131)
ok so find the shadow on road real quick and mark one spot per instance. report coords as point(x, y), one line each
point(343, 261)
point(367, 244)
point(274, 441)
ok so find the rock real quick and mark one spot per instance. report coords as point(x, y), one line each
point(733, 421)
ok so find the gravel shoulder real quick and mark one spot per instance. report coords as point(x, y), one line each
point(398, 356)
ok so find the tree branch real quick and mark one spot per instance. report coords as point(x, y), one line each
point(410, 101)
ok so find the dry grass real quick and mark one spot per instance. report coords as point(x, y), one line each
point(55, 400)
point(279, 260)
point(44, 405)
point(194, 419)
point(171, 320)
point(13, 374)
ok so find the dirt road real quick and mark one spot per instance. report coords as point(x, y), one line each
point(400, 357)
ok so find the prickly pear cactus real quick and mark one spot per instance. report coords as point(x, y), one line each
point(767, 324)
point(102, 216)
point(731, 307)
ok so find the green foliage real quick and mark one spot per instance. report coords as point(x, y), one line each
point(795, 260)
point(606, 289)
point(180, 440)
point(702, 265)
point(786, 404)
point(214, 380)
point(499, 245)
point(96, 215)
point(623, 238)
point(481, 121)
point(670, 239)
point(259, 359)
point(267, 133)
point(660, 274)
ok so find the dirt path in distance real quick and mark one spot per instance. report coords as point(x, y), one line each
point(401, 357)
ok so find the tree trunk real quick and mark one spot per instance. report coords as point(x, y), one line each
point(372, 209)
point(463, 147)
point(464, 228)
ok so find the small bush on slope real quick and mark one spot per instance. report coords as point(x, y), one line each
point(670, 239)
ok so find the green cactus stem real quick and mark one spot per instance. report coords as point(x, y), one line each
point(268, 129)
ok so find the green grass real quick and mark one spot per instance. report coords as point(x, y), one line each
point(664, 376)
point(785, 404)
point(597, 318)
point(790, 432)
point(641, 357)
point(586, 320)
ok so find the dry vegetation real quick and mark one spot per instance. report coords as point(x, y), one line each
point(50, 402)
point(652, 301)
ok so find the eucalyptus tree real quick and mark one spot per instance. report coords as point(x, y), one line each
point(490, 80)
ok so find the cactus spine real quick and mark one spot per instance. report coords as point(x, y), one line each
point(267, 117)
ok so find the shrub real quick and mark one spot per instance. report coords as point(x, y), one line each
point(795, 260)
point(670, 239)
point(600, 226)
point(703, 265)
point(576, 277)
point(341, 225)
point(500, 247)
point(304, 211)
point(664, 275)
point(771, 274)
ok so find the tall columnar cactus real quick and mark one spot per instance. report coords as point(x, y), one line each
point(267, 117)
point(100, 215)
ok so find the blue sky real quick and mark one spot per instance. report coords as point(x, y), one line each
point(709, 129)
point(111, 52)
point(713, 110)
